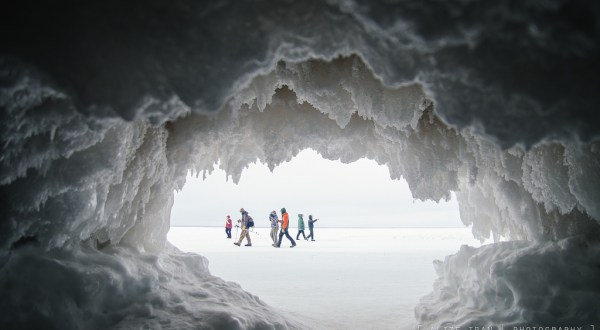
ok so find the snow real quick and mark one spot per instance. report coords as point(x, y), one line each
point(121, 288)
point(349, 278)
point(103, 114)
point(516, 284)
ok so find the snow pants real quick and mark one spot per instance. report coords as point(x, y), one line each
point(301, 232)
point(311, 235)
point(245, 233)
point(285, 232)
point(274, 234)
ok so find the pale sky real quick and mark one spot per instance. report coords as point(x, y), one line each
point(360, 194)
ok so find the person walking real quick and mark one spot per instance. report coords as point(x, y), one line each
point(311, 224)
point(228, 225)
point(274, 226)
point(300, 228)
point(245, 229)
point(285, 224)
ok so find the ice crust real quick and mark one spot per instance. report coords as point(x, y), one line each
point(120, 288)
point(515, 284)
point(103, 115)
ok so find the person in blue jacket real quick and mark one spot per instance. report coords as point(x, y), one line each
point(311, 224)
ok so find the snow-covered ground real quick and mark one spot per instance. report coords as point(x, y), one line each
point(350, 278)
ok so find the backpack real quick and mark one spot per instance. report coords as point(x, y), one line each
point(250, 222)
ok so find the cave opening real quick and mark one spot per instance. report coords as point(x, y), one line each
point(372, 260)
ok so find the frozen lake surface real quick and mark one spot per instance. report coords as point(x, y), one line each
point(348, 278)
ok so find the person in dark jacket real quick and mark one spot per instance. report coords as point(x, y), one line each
point(245, 231)
point(311, 224)
point(285, 224)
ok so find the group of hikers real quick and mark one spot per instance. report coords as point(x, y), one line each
point(246, 222)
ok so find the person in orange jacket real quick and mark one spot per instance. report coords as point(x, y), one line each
point(285, 225)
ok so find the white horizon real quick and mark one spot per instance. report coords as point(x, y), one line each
point(356, 195)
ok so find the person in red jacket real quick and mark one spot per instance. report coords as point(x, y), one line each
point(228, 225)
point(285, 225)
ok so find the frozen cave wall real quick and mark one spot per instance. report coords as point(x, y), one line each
point(106, 106)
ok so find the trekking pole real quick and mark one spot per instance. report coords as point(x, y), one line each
point(236, 231)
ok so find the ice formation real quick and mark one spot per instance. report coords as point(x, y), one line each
point(107, 105)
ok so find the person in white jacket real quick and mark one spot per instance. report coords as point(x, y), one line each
point(274, 226)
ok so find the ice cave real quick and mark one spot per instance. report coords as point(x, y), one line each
point(106, 106)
